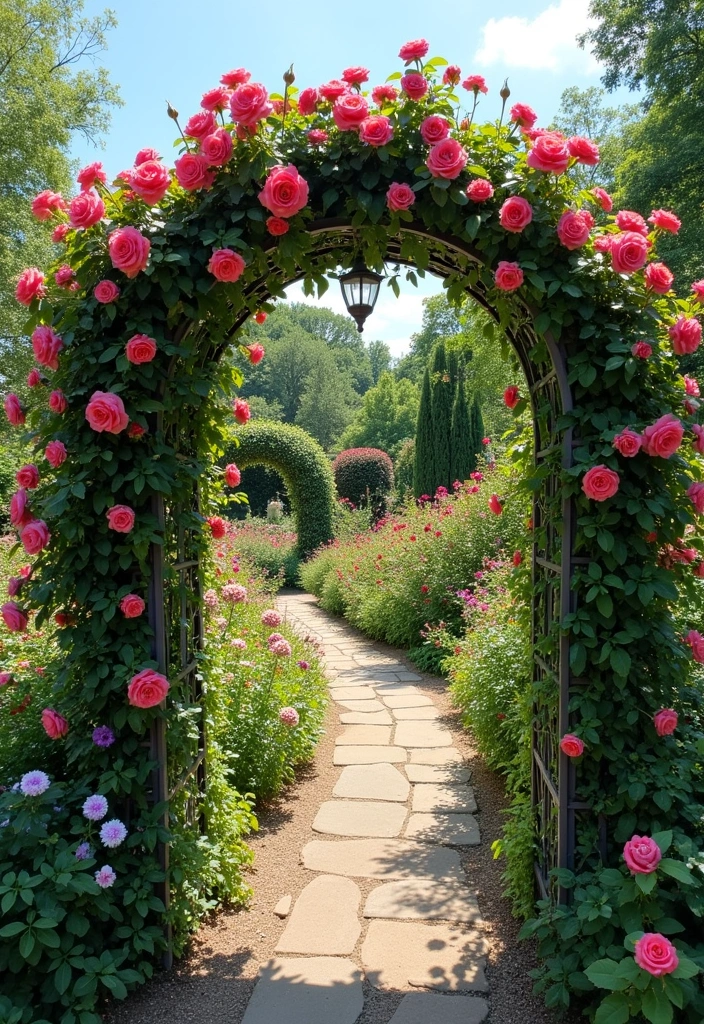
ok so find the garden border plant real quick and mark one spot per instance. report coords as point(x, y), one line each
point(158, 273)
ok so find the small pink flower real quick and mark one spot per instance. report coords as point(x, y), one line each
point(447, 159)
point(250, 104)
point(216, 99)
point(656, 954)
point(414, 85)
point(475, 84)
point(642, 350)
point(628, 443)
point(59, 233)
point(382, 94)
point(376, 130)
point(289, 717)
point(106, 291)
point(308, 101)
point(140, 349)
point(85, 210)
point(523, 115)
point(479, 190)
point(13, 617)
point(91, 175)
point(217, 148)
point(451, 74)
point(240, 410)
point(508, 276)
point(658, 278)
point(35, 536)
point(55, 453)
point(603, 199)
point(20, 514)
point(106, 412)
point(28, 477)
point(238, 76)
point(192, 172)
point(642, 855)
point(132, 606)
point(629, 220)
point(571, 745)
point(355, 76)
point(416, 49)
point(232, 475)
point(584, 150)
point(277, 226)
point(14, 411)
point(234, 593)
point(686, 335)
point(600, 483)
point(129, 250)
point(151, 181)
point(218, 526)
point(46, 204)
point(121, 518)
point(146, 154)
point(665, 720)
point(57, 402)
point(665, 220)
point(348, 111)
point(147, 689)
point(512, 396)
point(629, 252)
point(333, 89)
point(695, 493)
point(55, 725)
point(549, 154)
point(515, 214)
point(281, 648)
point(698, 432)
point(316, 137)
point(255, 353)
point(400, 197)
point(573, 228)
point(285, 192)
point(30, 286)
point(698, 289)
point(271, 617)
point(105, 877)
point(34, 378)
point(226, 265)
point(495, 505)
point(201, 124)
point(664, 437)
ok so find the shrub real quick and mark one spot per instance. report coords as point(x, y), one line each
point(260, 484)
point(271, 547)
point(403, 468)
point(364, 476)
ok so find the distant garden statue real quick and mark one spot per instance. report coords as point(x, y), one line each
point(158, 271)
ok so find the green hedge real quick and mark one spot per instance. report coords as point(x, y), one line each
point(362, 471)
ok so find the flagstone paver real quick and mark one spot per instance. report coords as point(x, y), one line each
point(429, 1008)
point(359, 818)
point(307, 990)
point(369, 755)
point(366, 718)
point(372, 782)
point(362, 705)
point(422, 734)
point(442, 756)
point(364, 735)
point(423, 899)
point(435, 796)
point(411, 700)
point(397, 954)
point(439, 827)
point(452, 773)
point(383, 858)
point(351, 693)
point(418, 714)
point(324, 919)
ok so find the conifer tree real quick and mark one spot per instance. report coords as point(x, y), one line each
point(477, 431)
point(462, 440)
point(423, 464)
point(442, 396)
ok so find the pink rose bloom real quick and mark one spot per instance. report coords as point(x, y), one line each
point(629, 252)
point(240, 410)
point(57, 402)
point(120, 518)
point(316, 137)
point(217, 148)
point(523, 115)
point(695, 493)
point(600, 483)
point(603, 199)
point(355, 76)
point(571, 745)
point(91, 175)
point(665, 220)
point(129, 250)
point(20, 514)
point(106, 291)
point(232, 475)
point(140, 349)
point(5, 678)
point(28, 477)
point(132, 606)
point(35, 536)
point(451, 74)
point(414, 85)
point(146, 154)
point(479, 190)
point(250, 104)
point(218, 528)
point(686, 334)
point(475, 84)
point(376, 130)
point(46, 204)
point(59, 233)
point(276, 226)
point(106, 412)
point(573, 228)
point(55, 725)
point(584, 150)
point(698, 432)
point(508, 276)
point(698, 289)
point(34, 378)
point(308, 101)
point(30, 286)
point(289, 717)
point(434, 129)
point(629, 220)
point(447, 159)
point(147, 689)
point(628, 443)
point(238, 76)
point(285, 192)
point(658, 278)
point(663, 438)
point(414, 50)
point(515, 214)
point(55, 453)
point(333, 89)
point(215, 99)
point(642, 855)
point(400, 197)
point(64, 276)
point(691, 386)
point(642, 350)
point(495, 505)
point(192, 172)
point(13, 616)
point(382, 94)
point(86, 210)
point(549, 153)
point(201, 124)
point(46, 345)
point(349, 111)
point(655, 954)
point(150, 180)
point(602, 243)
point(226, 265)
point(255, 353)
point(14, 411)
point(665, 720)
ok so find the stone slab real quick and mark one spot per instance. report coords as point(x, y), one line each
point(402, 954)
point(437, 796)
point(423, 899)
point(324, 919)
point(366, 717)
point(454, 774)
point(411, 700)
point(382, 858)
point(420, 714)
point(429, 1008)
point(398, 690)
point(422, 734)
point(283, 907)
point(372, 782)
point(365, 735)
point(450, 829)
point(350, 693)
point(307, 990)
point(369, 755)
point(360, 818)
point(443, 755)
point(362, 705)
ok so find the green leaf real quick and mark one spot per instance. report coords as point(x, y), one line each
point(655, 1005)
point(12, 929)
point(663, 839)
point(606, 974)
point(646, 883)
point(613, 1010)
point(62, 978)
point(620, 662)
point(685, 969)
point(677, 870)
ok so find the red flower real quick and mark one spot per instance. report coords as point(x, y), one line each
point(240, 410)
point(218, 526)
point(511, 397)
point(255, 353)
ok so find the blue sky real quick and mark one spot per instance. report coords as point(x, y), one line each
point(175, 50)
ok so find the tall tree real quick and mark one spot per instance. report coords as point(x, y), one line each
point(440, 320)
point(379, 358)
point(327, 402)
point(386, 418)
point(423, 475)
point(443, 393)
point(477, 425)
point(463, 441)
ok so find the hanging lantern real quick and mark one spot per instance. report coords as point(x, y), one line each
point(360, 290)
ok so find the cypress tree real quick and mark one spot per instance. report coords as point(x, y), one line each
point(462, 441)
point(477, 431)
point(423, 462)
point(442, 396)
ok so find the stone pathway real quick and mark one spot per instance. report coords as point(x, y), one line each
point(399, 806)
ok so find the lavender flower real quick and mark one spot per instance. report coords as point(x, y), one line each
point(303, 664)
point(233, 593)
point(95, 807)
point(241, 645)
point(103, 736)
point(34, 783)
point(271, 617)
point(281, 648)
point(105, 877)
point(83, 852)
point(289, 717)
point(112, 833)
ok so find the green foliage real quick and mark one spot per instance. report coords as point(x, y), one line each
point(403, 468)
point(327, 401)
point(260, 484)
point(423, 469)
point(583, 112)
point(464, 444)
point(364, 476)
point(387, 416)
point(443, 387)
point(271, 547)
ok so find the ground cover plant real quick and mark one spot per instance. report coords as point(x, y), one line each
point(271, 547)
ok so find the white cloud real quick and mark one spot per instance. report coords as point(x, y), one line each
point(547, 42)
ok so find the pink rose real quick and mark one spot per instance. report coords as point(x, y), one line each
point(240, 410)
point(475, 84)
point(698, 432)
point(400, 197)
point(655, 954)
point(628, 443)
point(129, 250)
point(573, 228)
point(201, 124)
point(238, 76)
point(414, 50)
point(255, 353)
point(46, 204)
point(584, 150)
point(30, 286)
point(686, 334)
point(629, 220)
point(316, 137)
point(663, 437)
point(150, 180)
point(629, 252)
point(508, 276)
point(146, 154)
point(106, 291)
point(479, 190)
point(59, 233)
point(34, 378)
point(495, 505)
point(106, 412)
point(20, 514)
point(691, 386)
point(215, 99)
point(665, 720)
point(333, 89)
point(148, 688)
point(571, 745)
point(447, 159)
point(376, 130)
point(132, 606)
point(349, 111)
point(549, 153)
point(658, 278)
point(140, 349)
point(14, 411)
point(276, 226)
point(451, 75)
point(285, 192)
point(232, 475)
point(46, 345)
point(192, 172)
point(415, 85)
point(226, 265)
point(120, 518)
point(523, 115)
point(250, 104)
point(382, 94)
point(642, 350)
point(86, 210)
point(600, 483)
point(35, 536)
point(698, 289)
point(515, 214)
point(217, 148)
point(695, 493)
point(355, 76)
point(665, 220)
point(89, 176)
point(642, 855)
point(57, 402)
point(603, 199)
point(55, 453)
point(64, 277)
point(308, 101)
point(14, 586)
point(55, 725)
point(28, 477)
point(218, 528)
point(15, 619)
point(602, 243)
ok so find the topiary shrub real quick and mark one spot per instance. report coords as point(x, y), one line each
point(364, 476)
point(305, 470)
point(260, 484)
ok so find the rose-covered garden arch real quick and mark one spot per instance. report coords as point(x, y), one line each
point(158, 273)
